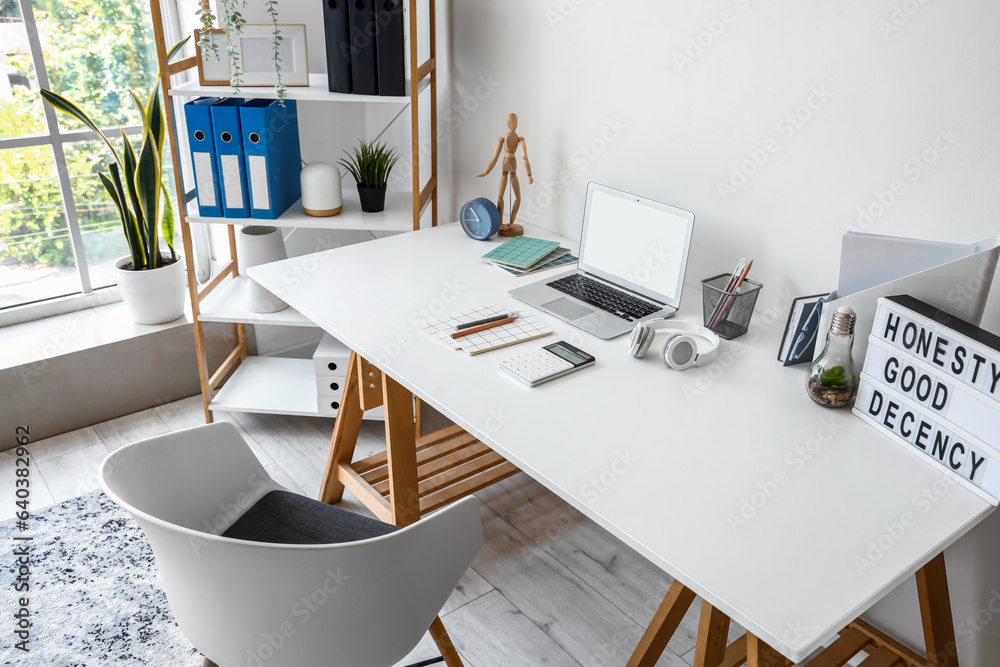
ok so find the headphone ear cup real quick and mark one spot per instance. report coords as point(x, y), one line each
point(665, 350)
point(680, 352)
point(635, 340)
point(644, 336)
point(647, 342)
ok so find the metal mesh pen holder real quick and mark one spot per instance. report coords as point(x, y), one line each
point(731, 317)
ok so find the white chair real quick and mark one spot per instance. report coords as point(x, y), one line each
point(363, 603)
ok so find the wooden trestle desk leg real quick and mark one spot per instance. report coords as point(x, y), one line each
point(662, 627)
point(365, 388)
point(760, 654)
point(935, 612)
point(346, 429)
point(713, 637)
point(401, 450)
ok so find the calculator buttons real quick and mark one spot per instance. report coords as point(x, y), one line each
point(537, 366)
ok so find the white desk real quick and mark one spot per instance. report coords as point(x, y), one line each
point(662, 459)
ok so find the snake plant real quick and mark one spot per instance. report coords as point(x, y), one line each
point(135, 178)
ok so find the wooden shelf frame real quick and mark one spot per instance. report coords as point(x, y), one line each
point(422, 76)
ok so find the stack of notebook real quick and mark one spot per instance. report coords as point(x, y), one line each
point(523, 255)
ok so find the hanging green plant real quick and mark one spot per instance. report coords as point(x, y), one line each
point(231, 11)
point(276, 38)
point(234, 28)
point(206, 43)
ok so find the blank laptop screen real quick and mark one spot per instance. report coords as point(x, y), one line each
point(636, 242)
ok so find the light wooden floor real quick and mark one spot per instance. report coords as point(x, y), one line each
point(550, 587)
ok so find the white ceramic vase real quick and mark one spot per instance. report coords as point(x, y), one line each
point(153, 296)
point(260, 244)
point(322, 195)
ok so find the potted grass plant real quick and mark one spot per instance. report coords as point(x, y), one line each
point(151, 279)
point(370, 164)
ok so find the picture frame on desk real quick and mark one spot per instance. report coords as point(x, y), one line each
point(254, 48)
point(212, 72)
point(800, 315)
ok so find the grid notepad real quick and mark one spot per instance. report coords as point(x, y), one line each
point(525, 327)
point(521, 251)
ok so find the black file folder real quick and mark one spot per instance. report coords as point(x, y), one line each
point(337, 26)
point(390, 42)
point(364, 67)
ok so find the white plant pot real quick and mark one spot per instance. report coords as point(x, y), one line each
point(153, 296)
point(322, 195)
point(260, 244)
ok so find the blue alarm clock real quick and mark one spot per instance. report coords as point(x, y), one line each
point(480, 218)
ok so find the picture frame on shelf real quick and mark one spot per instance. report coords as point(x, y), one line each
point(212, 72)
point(254, 47)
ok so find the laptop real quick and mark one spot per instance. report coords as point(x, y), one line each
point(633, 254)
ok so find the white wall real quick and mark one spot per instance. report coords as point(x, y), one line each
point(667, 99)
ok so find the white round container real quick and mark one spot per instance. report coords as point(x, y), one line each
point(259, 244)
point(321, 191)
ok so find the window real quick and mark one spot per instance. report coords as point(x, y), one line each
point(60, 235)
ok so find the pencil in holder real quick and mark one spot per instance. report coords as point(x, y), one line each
point(728, 314)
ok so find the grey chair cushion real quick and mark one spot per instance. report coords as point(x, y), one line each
point(282, 517)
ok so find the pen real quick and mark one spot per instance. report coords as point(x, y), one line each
point(735, 274)
point(488, 320)
point(724, 311)
point(491, 325)
point(743, 276)
point(729, 285)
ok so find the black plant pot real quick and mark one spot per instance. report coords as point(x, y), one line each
point(372, 199)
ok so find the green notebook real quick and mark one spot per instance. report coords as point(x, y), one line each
point(521, 251)
point(555, 259)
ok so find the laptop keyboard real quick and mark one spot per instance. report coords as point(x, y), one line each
point(605, 297)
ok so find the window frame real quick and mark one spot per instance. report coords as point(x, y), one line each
point(56, 138)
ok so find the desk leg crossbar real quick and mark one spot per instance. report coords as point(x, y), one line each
point(881, 650)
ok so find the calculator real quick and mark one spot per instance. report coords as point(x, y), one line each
point(546, 363)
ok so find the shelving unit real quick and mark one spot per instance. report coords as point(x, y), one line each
point(278, 385)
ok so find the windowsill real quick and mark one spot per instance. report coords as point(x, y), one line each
point(38, 340)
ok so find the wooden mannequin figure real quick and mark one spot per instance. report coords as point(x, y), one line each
point(510, 142)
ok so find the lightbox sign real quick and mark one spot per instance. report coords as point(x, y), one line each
point(932, 383)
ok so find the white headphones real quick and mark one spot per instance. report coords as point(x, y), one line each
point(689, 344)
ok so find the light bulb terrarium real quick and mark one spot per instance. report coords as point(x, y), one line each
point(832, 380)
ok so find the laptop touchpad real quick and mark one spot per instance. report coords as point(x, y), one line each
point(563, 307)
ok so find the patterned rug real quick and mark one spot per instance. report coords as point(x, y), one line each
point(95, 597)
